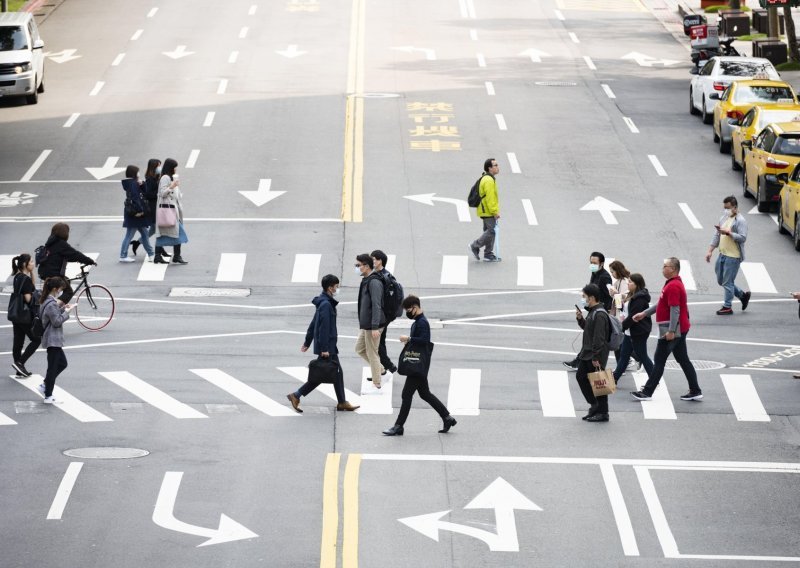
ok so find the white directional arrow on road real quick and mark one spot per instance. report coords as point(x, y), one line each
point(62, 56)
point(291, 52)
point(179, 52)
point(263, 194)
point(500, 496)
point(535, 54)
point(107, 170)
point(430, 54)
point(163, 516)
point(648, 61)
point(605, 207)
point(462, 208)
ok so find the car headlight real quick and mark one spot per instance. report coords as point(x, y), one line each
point(22, 67)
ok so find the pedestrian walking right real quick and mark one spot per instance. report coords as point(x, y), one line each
point(488, 211)
point(150, 194)
point(170, 197)
point(636, 332)
point(53, 317)
point(730, 234)
point(371, 319)
point(135, 217)
point(57, 253)
point(672, 318)
point(23, 283)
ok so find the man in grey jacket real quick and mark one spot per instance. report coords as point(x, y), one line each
point(730, 235)
point(371, 319)
point(594, 351)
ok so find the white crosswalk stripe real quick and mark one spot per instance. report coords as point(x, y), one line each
point(301, 374)
point(758, 278)
point(530, 271)
point(6, 420)
point(463, 395)
point(66, 402)
point(455, 270)
point(687, 276)
point(244, 392)
point(554, 394)
point(376, 401)
point(152, 272)
point(152, 395)
point(231, 267)
point(743, 396)
point(661, 407)
point(306, 268)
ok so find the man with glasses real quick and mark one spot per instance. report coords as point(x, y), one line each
point(672, 317)
point(488, 211)
point(371, 319)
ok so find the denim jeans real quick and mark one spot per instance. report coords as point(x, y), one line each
point(143, 238)
point(637, 345)
point(727, 268)
point(678, 348)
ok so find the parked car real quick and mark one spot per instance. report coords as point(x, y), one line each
point(717, 74)
point(21, 57)
point(753, 123)
point(789, 208)
point(775, 151)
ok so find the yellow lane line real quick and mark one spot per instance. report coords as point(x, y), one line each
point(350, 504)
point(330, 512)
point(353, 172)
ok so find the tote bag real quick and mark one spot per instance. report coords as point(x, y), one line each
point(18, 311)
point(166, 216)
point(415, 359)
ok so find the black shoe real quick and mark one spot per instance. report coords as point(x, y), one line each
point(178, 260)
point(725, 311)
point(449, 422)
point(745, 300)
point(159, 259)
point(599, 417)
point(641, 395)
point(135, 245)
point(692, 395)
point(571, 364)
point(20, 369)
point(394, 431)
point(592, 411)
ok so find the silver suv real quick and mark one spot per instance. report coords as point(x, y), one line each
point(21, 57)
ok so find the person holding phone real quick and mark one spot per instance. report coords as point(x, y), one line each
point(730, 235)
point(53, 315)
point(594, 351)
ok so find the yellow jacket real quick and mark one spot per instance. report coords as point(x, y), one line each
point(490, 206)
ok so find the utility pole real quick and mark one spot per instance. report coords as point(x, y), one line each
point(4, 6)
point(772, 22)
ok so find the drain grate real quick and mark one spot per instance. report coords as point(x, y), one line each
point(555, 84)
point(699, 365)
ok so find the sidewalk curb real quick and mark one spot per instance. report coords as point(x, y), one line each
point(41, 9)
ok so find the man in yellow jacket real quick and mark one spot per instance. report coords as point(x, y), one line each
point(488, 211)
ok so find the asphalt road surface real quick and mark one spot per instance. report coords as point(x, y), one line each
point(307, 132)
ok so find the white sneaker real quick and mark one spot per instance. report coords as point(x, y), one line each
point(149, 258)
point(41, 388)
point(49, 400)
point(127, 259)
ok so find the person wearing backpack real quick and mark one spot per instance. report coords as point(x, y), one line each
point(594, 352)
point(391, 305)
point(489, 212)
point(371, 319)
point(22, 271)
point(56, 254)
point(53, 317)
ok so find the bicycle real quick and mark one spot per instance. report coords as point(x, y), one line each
point(98, 299)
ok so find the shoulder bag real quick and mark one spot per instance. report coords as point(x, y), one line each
point(322, 370)
point(415, 359)
point(18, 311)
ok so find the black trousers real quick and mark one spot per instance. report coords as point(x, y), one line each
point(386, 362)
point(338, 385)
point(582, 376)
point(20, 331)
point(56, 363)
point(677, 347)
point(418, 384)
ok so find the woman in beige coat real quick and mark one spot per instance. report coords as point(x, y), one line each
point(169, 197)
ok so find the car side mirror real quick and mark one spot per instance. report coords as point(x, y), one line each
point(733, 121)
point(783, 178)
point(714, 96)
point(38, 44)
point(694, 71)
point(747, 143)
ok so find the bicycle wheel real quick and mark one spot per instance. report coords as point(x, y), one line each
point(94, 307)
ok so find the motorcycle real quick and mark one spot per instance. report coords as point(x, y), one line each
point(701, 55)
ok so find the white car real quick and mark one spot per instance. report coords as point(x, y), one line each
point(717, 74)
point(21, 57)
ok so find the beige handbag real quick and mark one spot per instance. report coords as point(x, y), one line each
point(602, 382)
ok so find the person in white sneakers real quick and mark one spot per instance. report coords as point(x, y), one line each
point(53, 316)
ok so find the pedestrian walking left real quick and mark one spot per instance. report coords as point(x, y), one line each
point(53, 316)
point(24, 284)
point(730, 234)
point(594, 352)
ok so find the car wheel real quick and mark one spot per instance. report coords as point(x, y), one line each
point(33, 98)
point(781, 229)
point(745, 190)
point(716, 136)
point(763, 206)
point(724, 147)
point(692, 110)
point(797, 232)
point(707, 118)
point(41, 87)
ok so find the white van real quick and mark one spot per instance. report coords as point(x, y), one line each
point(21, 57)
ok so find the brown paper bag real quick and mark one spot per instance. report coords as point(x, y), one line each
point(602, 382)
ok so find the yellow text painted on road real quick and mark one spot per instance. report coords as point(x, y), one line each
point(353, 175)
point(433, 129)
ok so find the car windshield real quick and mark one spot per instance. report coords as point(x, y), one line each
point(12, 39)
point(754, 94)
point(770, 116)
point(744, 68)
point(787, 146)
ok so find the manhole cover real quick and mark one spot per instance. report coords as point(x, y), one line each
point(555, 84)
point(673, 365)
point(106, 453)
point(209, 292)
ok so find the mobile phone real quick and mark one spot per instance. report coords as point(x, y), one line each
point(577, 308)
point(717, 227)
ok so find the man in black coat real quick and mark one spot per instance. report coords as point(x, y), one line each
point(58, 252)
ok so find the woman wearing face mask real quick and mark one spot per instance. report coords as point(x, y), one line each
point(134, 216)
point(169, 196)
point(636, 333)
point(23, 283)
point(323, 333)
point(421, 338)
point(150, 195)
point(53, 317)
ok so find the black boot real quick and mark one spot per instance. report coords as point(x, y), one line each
point(395, 430)
point(135, 245)
point(161, 252)
point(449, 422)
point(176, 255)
point(159, 259)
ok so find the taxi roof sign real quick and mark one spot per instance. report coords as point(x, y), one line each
point(785, 101)
point(762, 75)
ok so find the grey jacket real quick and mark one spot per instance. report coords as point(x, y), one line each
point(370, 303)
point(595, 336)
point(738, 232)
point(53, 318)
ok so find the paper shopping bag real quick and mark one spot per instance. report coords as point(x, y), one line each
point(602, 382)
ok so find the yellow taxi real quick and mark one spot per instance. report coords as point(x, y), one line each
point(775, 151)
point(789, 208)
point(753, 122)
point(737, 99)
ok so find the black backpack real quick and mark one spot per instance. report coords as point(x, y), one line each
point(40, 254)
point(392, 297)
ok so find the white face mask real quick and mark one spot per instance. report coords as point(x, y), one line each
point(358, 270)
point(594, 267)
point(583, 302)
point(728, 213)
point(335, 292)
point(60, 292)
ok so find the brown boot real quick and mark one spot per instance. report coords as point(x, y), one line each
point(346, 406)
point(295, 402)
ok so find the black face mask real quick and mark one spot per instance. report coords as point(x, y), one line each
point(410, 314)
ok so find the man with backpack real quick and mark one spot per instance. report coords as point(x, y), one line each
point(371, 319)
point(488, 209)
point(594, 352)
point(392, 303)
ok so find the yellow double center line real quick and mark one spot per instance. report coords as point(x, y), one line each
point(330, 512)
point(353, 176)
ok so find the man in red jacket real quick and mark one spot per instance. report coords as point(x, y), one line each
point(672, 317)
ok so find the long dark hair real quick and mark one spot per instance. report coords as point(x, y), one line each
point(168, 169)
point(152, 164)
point(18, 263)
point(638, 279)
point(52, 283)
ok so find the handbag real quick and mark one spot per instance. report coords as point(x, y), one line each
point(166, 216)
point(18, 311)
point(132, 210)
point(322, 370)
point(602, 382)
point(415, 359)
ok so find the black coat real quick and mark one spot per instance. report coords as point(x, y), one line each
point(133, 191)
point(603, 279)
point(322, 330)
point(150, 195)
point(639, 302)
point(59, 253)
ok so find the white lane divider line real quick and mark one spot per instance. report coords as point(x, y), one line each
point(512, 160)
point(231, 266)
point(64, 491)
point(66, 402)
point(136, 35)
point(73, 269)
point(209, 120)
point(252, 10)
point(631, 126)
point(152, 272)
point(192, 161)
point(390, 262)
point(301, 374)
point(573, 37)
point(621, 515)
point(117, 60)
point(554, 394)
point(454, 270)
point(243, 32)
point(560, 15)
point(473, 35)
point(375, 401)
point(71, 120)
point(693, 221)
point(758, 278)
point(657, 165)
point(745, 400)
point(489, 88)
point(530, 271)
point(687, 275)
point(151, 395)
point(306, 268)
point(152, 12)
point(96, 90)
point(589, 63)
point(660, 408)
point(244, 392)
point(609, 93)
point(223, 86)
point(530, 215)
point(463, 394)
point(233, 57)
point(36, 165)
point(501, 122)
point(6, 420)
point(481, 59)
